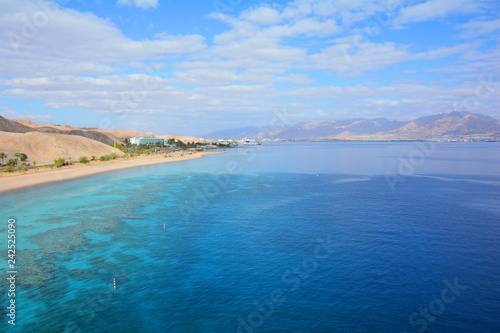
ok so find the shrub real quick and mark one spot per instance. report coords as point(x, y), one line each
point(59, 162)
point(9, 168)
point(84, 160)
point(108, 157)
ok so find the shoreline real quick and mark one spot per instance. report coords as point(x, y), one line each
point(43, 176)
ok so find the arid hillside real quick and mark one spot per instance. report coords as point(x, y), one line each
point(104, 136)
point(46, 147)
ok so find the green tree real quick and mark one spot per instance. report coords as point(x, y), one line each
point(84, 160)
point(21, 156)
point(12, 162)
point(3, 155)
point(35, 163)
point(59, 162)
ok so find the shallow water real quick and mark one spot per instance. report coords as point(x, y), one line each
point(291, 237)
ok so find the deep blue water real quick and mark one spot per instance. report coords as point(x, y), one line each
point(291, 237)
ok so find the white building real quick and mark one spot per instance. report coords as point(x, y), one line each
point(146, 140)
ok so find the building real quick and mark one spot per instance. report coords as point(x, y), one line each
point(145, 140)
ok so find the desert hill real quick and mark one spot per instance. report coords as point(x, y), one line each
point(13, 127)
point(104, 136)
point(46, 147)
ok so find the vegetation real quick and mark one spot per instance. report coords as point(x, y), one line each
point(84, 160)
point(12, 162)
point(59, 162)
point(108, 157)
point(22, 156)
point(2, 156)
point(10, 168)
point(21, 166)
point(154, 148)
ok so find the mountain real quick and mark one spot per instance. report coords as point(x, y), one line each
point(45, 143)
point(450, 125)
point(13, 127)
point(445, 125)
point(46, 147)
point(68, 130)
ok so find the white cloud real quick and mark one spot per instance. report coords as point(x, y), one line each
point(261, 15)
point(479, 28)
point(353, 56)
point(8, 113)
point(82, 43)
point(347, 61)
point(435, 9)
point(142, 4)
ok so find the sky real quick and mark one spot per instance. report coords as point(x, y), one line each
point(193, 67)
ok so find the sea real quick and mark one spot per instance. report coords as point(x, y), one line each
point(282, 237)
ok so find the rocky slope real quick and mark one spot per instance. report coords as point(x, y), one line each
point(46, 147)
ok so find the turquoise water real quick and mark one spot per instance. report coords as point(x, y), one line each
point(290, 237)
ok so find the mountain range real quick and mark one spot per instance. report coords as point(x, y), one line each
point(441, 126)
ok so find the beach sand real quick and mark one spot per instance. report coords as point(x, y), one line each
point(14, 181)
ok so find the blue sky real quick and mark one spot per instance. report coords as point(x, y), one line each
point(192, 67)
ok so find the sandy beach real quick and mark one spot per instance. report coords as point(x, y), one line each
point(14, 181)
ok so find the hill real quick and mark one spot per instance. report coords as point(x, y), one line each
point(106, 137)
point(13, 127)
point(440, 126)
point(46, 147)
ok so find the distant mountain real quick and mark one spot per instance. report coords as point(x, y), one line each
point(454, 124)
point(10, 126)
point(445, 125)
